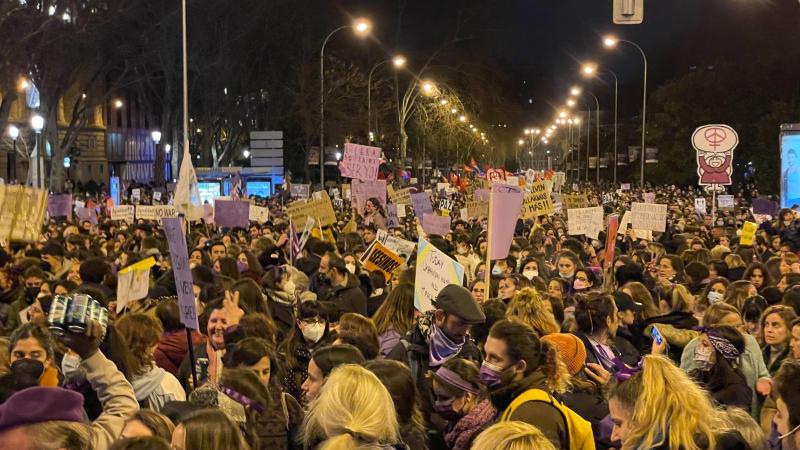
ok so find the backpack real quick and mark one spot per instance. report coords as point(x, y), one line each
point(579, 430)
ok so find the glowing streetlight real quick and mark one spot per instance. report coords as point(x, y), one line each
point(37, 123)
point(156, 135)
point(562, 114)
point(610, 41)
point(246, 154)
point(428, 88)
point(521, 142)
point(13, 132)
point(462, 118)
point(571, 103)
point(589, 69)
point(454, 111)
point(443, 101)
point(118, 103)
point(527, 131)
point(362, 26)
point(399, 61)
point(575, 91)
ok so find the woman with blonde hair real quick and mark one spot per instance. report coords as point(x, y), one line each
point(641, 294)
point(352, 411)
point(738, 291)
point(649, 410)
point(528, 307)
point(513, 435)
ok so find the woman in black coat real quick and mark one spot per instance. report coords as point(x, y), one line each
point(718, 355)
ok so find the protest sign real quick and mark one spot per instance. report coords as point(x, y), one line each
point(122, 212)
point(476, 209)
point(59, 205)
point(763, 205)
point(87, 214)
point(421, 202)
point(321, 210)
point(157, 196)
point(464, 214)
point(571, 201)
point(178, 254)
point(435, 270)
point(433, 224)
point(649, 197)
point(401, 210)
point(22, 211)
point(625, 187)
point(537, 202)
point(231, 213)
point(346, 191)
point(360, 162)
point(649, 216)
point(585, 221)
point(481, 195)
point(725, 201)
point(400, 196)
point(133, 282)
point(365, 190)
point(446, 203)
point(208, 213)
point(316, 195)
point(155, 212)
point(700, 205)
point(640, 234)
point(258, 214)
point(136, 195)
point(297, 191)
point(512, 181)
point(748, 233)
point(714, 145)
point(392, 221)
point(505, 204)
point(381, 258)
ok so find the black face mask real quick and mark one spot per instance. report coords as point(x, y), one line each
point(31, 292)
point(26, 372)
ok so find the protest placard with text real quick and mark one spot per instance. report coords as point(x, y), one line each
point(298, 191)
point(748, 233)
point(649, 216)
point(421, 202)
point(155, 212)
point(231, 213)
point(570, 201)
point(537, 202)
point(122, 212)
point(179, 256)
point(364, 190)
point(476, 209)
point(59, 205)
point(433, 224)
point(320, 210)
point(585, 221)
point(700, 205)
point(435, 270)
point(22, 211)
point(381, 258)
point(259, 214)
point(360, 162)
point(725, 201)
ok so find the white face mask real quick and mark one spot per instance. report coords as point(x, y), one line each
point(289, 287)
point(351, 268)
point(566, 275)
point(530, 274)
point(314, 332)
point(702, 356)
point(714, 297)
point(71, 367)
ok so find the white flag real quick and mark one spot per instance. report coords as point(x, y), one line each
point(187, 194)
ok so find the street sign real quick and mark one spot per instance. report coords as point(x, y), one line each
point(628, 12)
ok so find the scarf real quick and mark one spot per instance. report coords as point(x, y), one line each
point(460, 437)
point(440, 346)
point(214, 363)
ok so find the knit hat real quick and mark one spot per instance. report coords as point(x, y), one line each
point(41, 404)
point(570, 348)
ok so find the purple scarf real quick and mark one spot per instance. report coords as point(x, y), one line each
point(441, 347)
point(460, 437)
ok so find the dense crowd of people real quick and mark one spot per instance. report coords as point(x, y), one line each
point(686, 339)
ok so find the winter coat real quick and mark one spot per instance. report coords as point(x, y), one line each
point(173, 347)
point(156, 388)
point(348, 298)
point(116, 396)
point(589, 403)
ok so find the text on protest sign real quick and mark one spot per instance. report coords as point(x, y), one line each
point(421, 202)
point(155, 212)
point(640, 234)
point(446, 203)
point(700, 205)
point(433, 224)
point(122, 212)
point(59, 205)
point(300, 191)
point(402, 196)
point(231, 213)
point(379, 257)
point(481, 195)
point(649, 216)
point(173, 230)
point(364, 190)
point(360, 162)
point(537, 202)
point(133, 282)
point(259, 214)
point(571, 201)
point(748, 233)
point(22, 211)
point(321, 210)
point(725, 201)
point(586, 221)
point(435, 270)
point(401, 247)
point(476, 209)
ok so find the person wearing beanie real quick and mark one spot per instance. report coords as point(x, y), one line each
point(571, 350)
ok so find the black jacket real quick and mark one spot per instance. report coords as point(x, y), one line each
point(348, 298)
point(590, 403)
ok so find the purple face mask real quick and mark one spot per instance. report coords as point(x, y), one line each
point(241, 266)
point(490, 374)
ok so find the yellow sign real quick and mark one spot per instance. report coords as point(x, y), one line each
point(575, 201)
point(22, 211)
point(321, 209)
point(748, 233)
point(379, 257)
point(538, 201)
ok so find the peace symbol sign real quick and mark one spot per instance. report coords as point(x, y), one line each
point(715, 136)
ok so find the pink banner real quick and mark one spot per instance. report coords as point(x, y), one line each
point(360, 162)
point(365, 190)
point(505, 204)
point(433, 224)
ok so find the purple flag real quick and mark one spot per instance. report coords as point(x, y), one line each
point(763, 205)
point(422, 204)
point(231, 213)
point(505, 204)
point(433, 224)
point(59, 205)
point(179, 255)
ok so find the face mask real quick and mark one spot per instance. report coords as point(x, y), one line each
point(351, 268)
point(496, 271)
point(26, 372)
point(71, 367)
point(480, 275)
point(530, 274)
point(31, 293)
point(314, 332)
point(445, 410)
point(714, 297)
point(490, 374)
point(241, 267)
point(579, 285)
point(289, 287)
point(463, 251)
point(566, 275)
point(192, 265)
point(441, 347)
point(702, 356)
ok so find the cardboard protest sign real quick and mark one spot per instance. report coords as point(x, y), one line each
point(435, 270)
point(231, 213)
point(87, 214)
point(476, 209)
point(298, 191)
point(714, 145)
point(400, 196)
point(392, 221)
point(59, 205)
point(401, 210)
point(481, 195)
point(22, 211)
point(258, 214)
point(433, 224)
point(133, 282)
point(365, 190)
point(571, 201)
point(585, 221)
point(537, 202)
point(725, 201)
point(122, 212)
point(379, 257)
point(401, 247)
point(748, 236)
point(155, 212)
point(640, 234)
point(505, 204)
point(649, 216)
point(700, 205)
point(360, 162)
point(320, 210)
point(179, 256)
point(421, 202)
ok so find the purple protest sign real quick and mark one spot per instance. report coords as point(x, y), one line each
point(59, 205)
point(481, 195)
point(433, 224)
point(173, 229)
point(421, 202)
point(365, 190)
point(763, 205)
point(505, 204)
point(89, 214)
point(231, 213)
point(360, 162)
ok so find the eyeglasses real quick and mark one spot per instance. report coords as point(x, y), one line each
point(313, 321)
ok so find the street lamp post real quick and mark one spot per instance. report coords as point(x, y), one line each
point(611, 42)
point(361, 27)
point(37, 123)
point(597, 142)
point(398, 62)
point(591, 70)
point(13, 133)
point(156, 136)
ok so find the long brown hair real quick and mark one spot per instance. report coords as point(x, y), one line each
point(397, 311)
point(211, 429)
point(141, 332)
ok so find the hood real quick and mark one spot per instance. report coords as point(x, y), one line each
point(145, 385)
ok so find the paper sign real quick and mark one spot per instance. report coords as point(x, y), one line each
point(481, 195)
point(725, 201)
point(59, 205)
point(537, 202)
point(392, 221)
point(136, 195)
point(505, 205)
point(123, 212)
point(231, 213)
point(464, 214)
point(586, 221)
point(173, 229)
point(155, 212)
point(513, 181)
point(365, 190)
point(640, 234)
point(208, 213)
point(435, 270)
point(422, 203)
point(625, 187)
point(297, 191)
point(700, 205)
point(649, 216)
point(379, 257)
point(22, 211)
point(360, 162)
point(87, 214)
point(346, 191)
point(157, 196)
point(763, 205)
point(433, 224)
point(476, 209)
point(402, 196)
point(321, 210)
point(401, 247)
point(571, 201)
point(133, 282)
point(445, 203)
point(649, 197)
point(258, 214)
point(401, 210)
point(748, 233)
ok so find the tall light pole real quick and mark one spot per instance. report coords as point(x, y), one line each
point(13, 133)
point(398, 62)
point(597, 132)
point(590, 69)
point(156, 136)
point(361, 27)
point(37, 123)
point(611, 42)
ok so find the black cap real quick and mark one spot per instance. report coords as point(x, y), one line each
point(625, 302)
point(457, 300)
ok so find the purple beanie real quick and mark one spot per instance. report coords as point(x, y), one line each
point(41, 404)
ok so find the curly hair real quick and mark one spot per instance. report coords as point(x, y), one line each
point(141, 332)
point(528, 307)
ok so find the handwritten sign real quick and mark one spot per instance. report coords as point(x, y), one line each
point(297, 191)
point(258, 214)
point(22, 211)
point(435, 270)
point(505, 203)
point(433, 224)
point(86, 214)
point(122, 212)
point(136, 195)
point(725, 201)
point(401, 247)
point(571, 201)
point(640, 234)
point(231, 213)
point(59, 205)
point(625, 187)
point(477, 209)
point(402, 196)
point(748, 233)
point(537, 202)
point(133, 282)
point(649, 216)
point(360, 162)
point(379, 257)
point(585, 221)
point(481, 195)
point(321, 210)
point(421, 202)
point(155, 212)
point(365, 190)
point(173, 229)
point(700, 205)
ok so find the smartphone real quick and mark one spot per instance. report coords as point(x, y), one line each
point(656, 335)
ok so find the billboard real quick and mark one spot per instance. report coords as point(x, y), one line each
point(259, 188)
point(790, 165)
point(209, 190)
